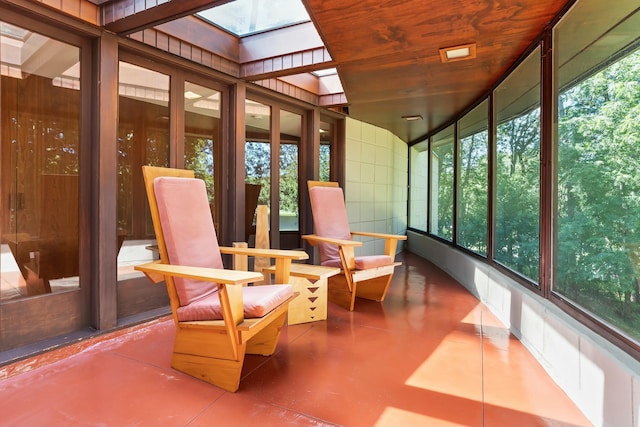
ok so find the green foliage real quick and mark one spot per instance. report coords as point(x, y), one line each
point(443, 157)
point(472, 192)
point(598, 234)
point(289, 178)
point(517, 228)
point(198, 157)
point(258, 168)
point(325, 163)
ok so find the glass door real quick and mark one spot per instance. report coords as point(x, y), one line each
point(43, 292)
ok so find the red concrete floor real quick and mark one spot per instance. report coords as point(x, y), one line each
point(430, 355)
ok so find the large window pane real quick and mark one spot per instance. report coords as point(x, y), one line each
point(40, 131)
point(471, 225)
point(327, 138)
point(201, 135)
point(290, 137)
point(517, 204)
point(598, 185)
point(419, 158)
point(143, 139)
point(257, 161)
point(442, 164)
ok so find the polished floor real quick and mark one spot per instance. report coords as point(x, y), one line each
point(430, 355)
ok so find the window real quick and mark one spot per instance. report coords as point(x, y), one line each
point(290, 138)
point(257, 161)
point(473, 184)
point(202, 112)
point(442, 164)
point(143, 139)
point(419, 163)
point(327, 137)
point(597, 240)
point(517, 189)
point(40, 164)
point(245, 17)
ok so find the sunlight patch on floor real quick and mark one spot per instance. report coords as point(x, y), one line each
point(393, 417)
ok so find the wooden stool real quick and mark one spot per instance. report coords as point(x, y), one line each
point(311, 282)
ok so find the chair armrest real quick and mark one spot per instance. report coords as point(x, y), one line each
point(379, 235)
point(229, 277)
point(266, 253)
point(390, 240)
point(282, 258)
point(314, 239)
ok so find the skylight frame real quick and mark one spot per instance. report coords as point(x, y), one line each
point(279, 15)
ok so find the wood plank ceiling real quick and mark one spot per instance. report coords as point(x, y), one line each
point(387, 52)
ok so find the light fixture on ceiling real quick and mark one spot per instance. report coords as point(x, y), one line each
point(191, 95)
point(458, 53)
point(412, 118)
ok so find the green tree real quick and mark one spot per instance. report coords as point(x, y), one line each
point(598, 232)
point(198, 157)
point(472, 192)
point(442, 156)
point(518, 193)
point(289, 178)
point(258, 168)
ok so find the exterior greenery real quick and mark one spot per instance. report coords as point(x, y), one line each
point(258, 168)
point(517, 202)
point(598, 234)
point(198, 157)
point(597, 229)
point(442, 172)
point(473, 191)
point(258, 171)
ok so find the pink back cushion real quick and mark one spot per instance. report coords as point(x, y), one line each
point(188, 231)
point(330, 219)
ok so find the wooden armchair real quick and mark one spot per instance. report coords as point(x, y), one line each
point(361, 276)
point(218, 320)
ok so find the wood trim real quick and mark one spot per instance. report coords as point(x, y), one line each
point(189, 51)
point(128, 16)
point(547, 162)
point(291, 63)
point(285, 88)
point(333, 100)
point(104, 192)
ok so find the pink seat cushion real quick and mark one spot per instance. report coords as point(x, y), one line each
point(330, 219)
point(258, 301)
point(363, 262)
point(188, 231)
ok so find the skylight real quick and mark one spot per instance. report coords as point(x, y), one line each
point(245, 17)
point(325, 72)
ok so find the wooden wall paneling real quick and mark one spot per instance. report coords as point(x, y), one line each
point(127, 16)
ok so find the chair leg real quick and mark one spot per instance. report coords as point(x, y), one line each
point(265, 341)
point(339, 293)
point(374, 289)
point(219, 372)
point(208, 355)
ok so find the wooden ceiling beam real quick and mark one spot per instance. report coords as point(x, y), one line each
point(333, 100)
point(304, 61)
point(128, 16)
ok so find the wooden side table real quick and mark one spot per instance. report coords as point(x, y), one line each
point(311, 282)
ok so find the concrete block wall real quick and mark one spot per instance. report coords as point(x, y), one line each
point(376, 176)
